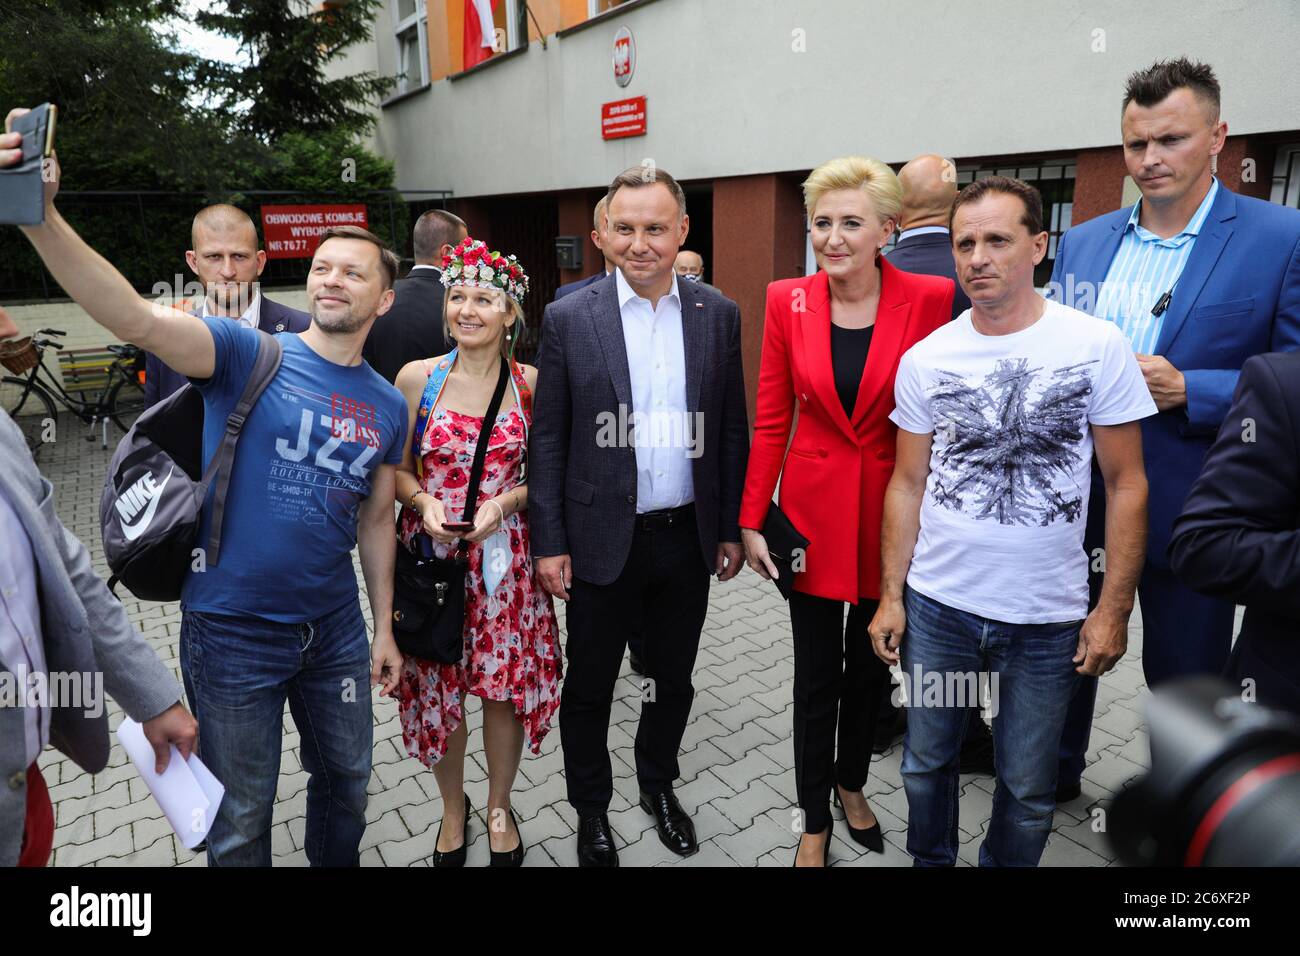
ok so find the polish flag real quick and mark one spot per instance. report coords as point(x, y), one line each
point(479, 31)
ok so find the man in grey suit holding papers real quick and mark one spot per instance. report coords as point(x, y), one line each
point(61, 632)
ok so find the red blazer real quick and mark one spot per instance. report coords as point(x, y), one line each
point(833, 478)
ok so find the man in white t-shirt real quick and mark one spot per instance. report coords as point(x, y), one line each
point(999, 414)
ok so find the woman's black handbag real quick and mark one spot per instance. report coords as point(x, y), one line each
point(428, 591)
point(784, 544)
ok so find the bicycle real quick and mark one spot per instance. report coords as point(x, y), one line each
point(30, 400)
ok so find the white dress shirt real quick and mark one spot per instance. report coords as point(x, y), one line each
point(656, 362)
point(922, 231)
point(22, 651)
point(252, 315)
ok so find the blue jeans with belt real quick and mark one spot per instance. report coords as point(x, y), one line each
point(1035, 678)
point(238, 673)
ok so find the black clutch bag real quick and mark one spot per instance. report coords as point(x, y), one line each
point(784, 545)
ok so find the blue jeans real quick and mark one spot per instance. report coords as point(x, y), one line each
point(238, 672)
point(1035, 680)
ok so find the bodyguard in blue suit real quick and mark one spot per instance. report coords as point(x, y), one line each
point(1199, 280)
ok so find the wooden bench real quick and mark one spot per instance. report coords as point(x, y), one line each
point(86, 371)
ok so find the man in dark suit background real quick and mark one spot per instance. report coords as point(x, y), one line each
point(1238, 538)
point(598, 237)
point(412, 328)
point(629, 523)
point(924, 245)
point(227, 261)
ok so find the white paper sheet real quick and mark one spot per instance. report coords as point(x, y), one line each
point(186, 791)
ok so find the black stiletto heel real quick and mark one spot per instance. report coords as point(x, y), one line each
point(871, 837)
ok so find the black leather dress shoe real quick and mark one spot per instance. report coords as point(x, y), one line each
point(1068, 790)
point(890, 731)
point(595, 840)
point(673, 825)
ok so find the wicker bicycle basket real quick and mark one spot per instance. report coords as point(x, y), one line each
point(19, 356)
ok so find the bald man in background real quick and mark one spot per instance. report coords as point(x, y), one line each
point(599, 234)
point(924, 246)
point(227, 260)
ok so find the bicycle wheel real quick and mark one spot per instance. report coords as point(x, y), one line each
point(31, 408)
point(125, 402)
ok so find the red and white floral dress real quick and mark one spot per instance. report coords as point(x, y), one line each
point(512, 646)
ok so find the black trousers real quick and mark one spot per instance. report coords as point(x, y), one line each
point(838, 680)
point(662, 594)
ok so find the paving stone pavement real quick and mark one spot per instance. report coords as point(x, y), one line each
point(737, 757)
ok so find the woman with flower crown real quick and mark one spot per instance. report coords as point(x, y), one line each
point(512, 655)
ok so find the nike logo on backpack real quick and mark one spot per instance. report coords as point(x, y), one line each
point(141, 499)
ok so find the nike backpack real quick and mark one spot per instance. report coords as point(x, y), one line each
point(156, 485)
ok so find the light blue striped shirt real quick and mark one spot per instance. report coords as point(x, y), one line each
point(1144, 269)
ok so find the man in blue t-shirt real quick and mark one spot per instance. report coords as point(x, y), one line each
point(278, 616)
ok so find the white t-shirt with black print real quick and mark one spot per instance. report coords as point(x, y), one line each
point(1006, 501)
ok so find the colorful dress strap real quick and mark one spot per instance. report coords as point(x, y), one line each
point(428, 400)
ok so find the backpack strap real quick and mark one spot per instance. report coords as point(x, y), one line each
point(217, 474)
point(428, 401)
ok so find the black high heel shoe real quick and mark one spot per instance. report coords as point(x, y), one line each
point(513, 857)
point(871, 837)
point(826, 850)
point(457, 856)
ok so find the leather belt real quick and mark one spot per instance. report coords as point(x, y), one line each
point(662, 520)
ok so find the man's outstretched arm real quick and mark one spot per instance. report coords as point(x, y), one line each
point(179, 339)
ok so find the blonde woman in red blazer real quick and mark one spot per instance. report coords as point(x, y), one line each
point(831, 346)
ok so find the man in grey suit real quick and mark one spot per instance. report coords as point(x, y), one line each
point(59, 628)
point(639, 446)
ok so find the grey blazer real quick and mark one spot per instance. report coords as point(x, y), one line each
point(581, 494)
point(84, 628)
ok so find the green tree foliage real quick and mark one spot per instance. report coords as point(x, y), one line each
point(138, 112)
point(285, 88)
point(128, 115)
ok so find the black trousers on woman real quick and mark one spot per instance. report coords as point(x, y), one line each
point(838, 680)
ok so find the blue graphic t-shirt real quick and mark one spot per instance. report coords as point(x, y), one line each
point(301, 471)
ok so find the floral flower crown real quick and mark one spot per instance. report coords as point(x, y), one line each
point(470, 263)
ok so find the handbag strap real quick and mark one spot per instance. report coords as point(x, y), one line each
point(480, 450)
point(437, 378)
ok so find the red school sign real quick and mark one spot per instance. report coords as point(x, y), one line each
point(622, 118)
point(293, 232)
